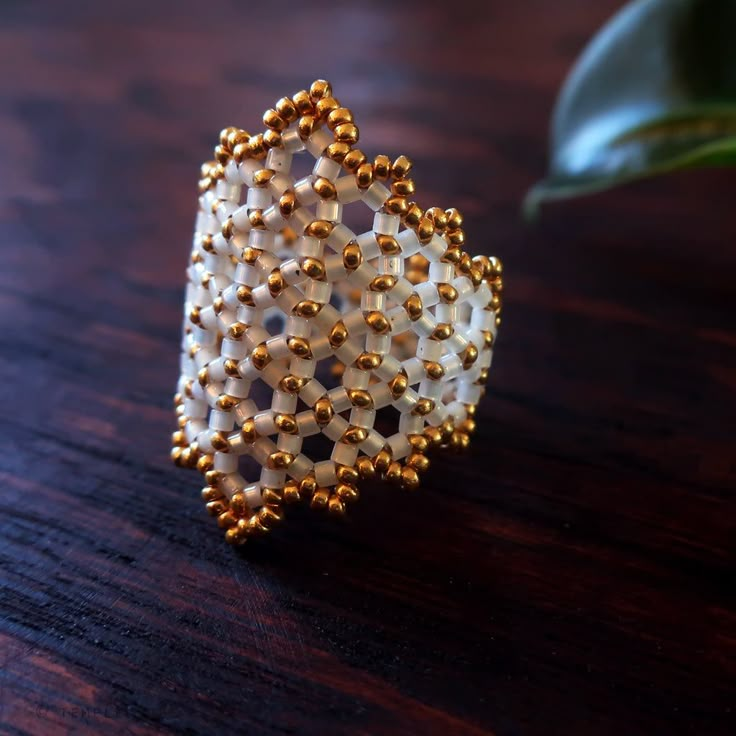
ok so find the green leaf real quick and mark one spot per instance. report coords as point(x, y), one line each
point(653, 92)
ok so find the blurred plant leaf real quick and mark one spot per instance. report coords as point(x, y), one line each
point(653, 92)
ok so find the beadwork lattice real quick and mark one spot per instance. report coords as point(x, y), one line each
point(279, 287)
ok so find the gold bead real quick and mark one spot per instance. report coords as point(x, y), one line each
point(347, 492)
point(360, 398)
point(414, 307)
point(443, 331)
point(269, 516)
point(423, 407)
point(287, 109)
point(320, 229)
point(291, 384)
point(280, 460)
point(248, 431)
point(454, 218)
point(433, 435)
point(401, 167)
point(272, 496)
point(227, 520)
point(365, 467)
point(271, 119)
point(178, 439)
point(347, 133)
point(434, 370)
point(382, 167)
point(236, 330)
point(256, 149)
point(276, 283)
point(448, 293)
point(418, 461)
point(353, 160)
point(337, 151)
point(346, 474)
point(303, 103)
point(256, 220)
point(335, 506)
point(403, 188)
point(323, 411)
point(205, 463)
point(325, 106)
point(291, 492)
point(398, 385)
point(213, 478)
point(352, 256)
point(211, 494)
point(306, 126)
point(219, 441)
point(286, 423)
point(287, 203)
point(354, 435)
point(388, 244)
point(320, 89)
point(378, 322)
point(396, 205)
point(320, 499)
point(338, 116)
point(364, 176)
point(314, 268)
point(308, 485)
point(176, 455)
point(307, 308)
point(393, 472)
point(447, 428)
point(383, 282)
point(381, 461)
point(409, 478)
point(413, 215)
point(244, 295)
point(238, 504)
point(338, 334)
point(469, 356)
point(368, 361)
point(324, 188)
point(215, 508)
point(225, 402)
point(300, 347)
point(419, 443)
point(260, 357)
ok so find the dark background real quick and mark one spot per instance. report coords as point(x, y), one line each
point(572, 574)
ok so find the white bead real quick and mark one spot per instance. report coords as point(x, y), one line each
point(258, 198)
point(327, 168)
point(347, 190)
point(429, 349)
point(324, 472)
point(284, 403)
point(376, 195)
point(344, 454)
point(386, 224)
point(330, 210)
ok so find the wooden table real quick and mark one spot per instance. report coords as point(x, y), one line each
point(572, 574)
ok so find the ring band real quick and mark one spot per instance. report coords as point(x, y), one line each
point(312, 356)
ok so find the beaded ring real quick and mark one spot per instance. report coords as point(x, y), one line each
point(312, 356)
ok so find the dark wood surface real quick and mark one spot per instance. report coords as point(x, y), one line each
point(573, 574)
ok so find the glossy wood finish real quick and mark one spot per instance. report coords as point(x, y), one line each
point(572, 574)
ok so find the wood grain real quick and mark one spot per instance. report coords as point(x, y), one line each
point(573, 574)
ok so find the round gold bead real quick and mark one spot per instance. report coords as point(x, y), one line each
point(287, 203)
point(248, 431)
point(323, 411)
point(383, 282)
point(338, 116)
point(354, 435)
point(396, 205)
point(276, 283)
point(433, 435)
point(352, 256)
point(378, 322)
point(381, 461)
point(227, 520)
point(423, 407)
point(414, 307)
point(320, 499)
point(347, 492)
point(365, 467)
point(205, 463)
point(271, 119)
point(210, 493)
point(454, 218)
point(364, 175)
point(360, 398)
point(418, 461)
point(419, 443)
point(269, 516)
point(346, 474)
point(335, 506)
point(303, 103)
point(320, 89)
point(469, 356)
point(401, 167)
point(434, 370)
point(291, 492)
point(256, 148)
point(393, 472)
point(286, 423)
point(314, 268)
point(225, 402)
point(306, 126)
point(256, 220)
point(409, 478)
point(325, 106)
point(388, 244)
point(213, 478)
point(260, 357)
point(291, 384)
point(176, 455)
point(425, 230)
point(337, 151)
point(368, 361)
point(353, 160)
point(238, 504)
point(403, 188)
point(300, 347)
point(244, 295)
point(324, 188)
point(413, 215)
point(443, 331)
point(382, 167)
point(398, 385)
point(347, 133)
point(448, 293)
point(338, 335)
point(287, 109)
point(307, 308)
point(272, 496)
point(320, 229)
point(215, 508)
point(219, 441)
point(308, 485)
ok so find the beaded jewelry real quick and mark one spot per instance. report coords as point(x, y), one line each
point(296, 327)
